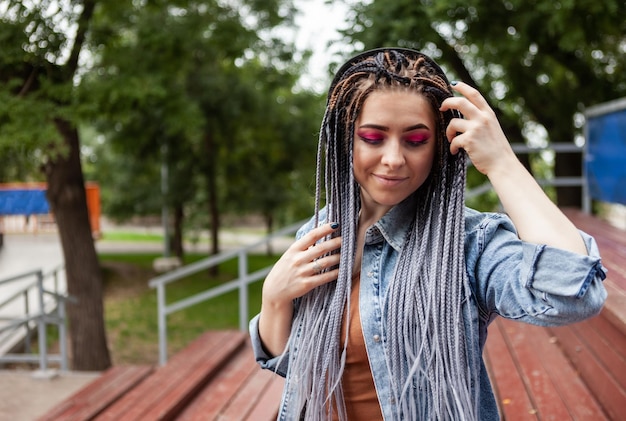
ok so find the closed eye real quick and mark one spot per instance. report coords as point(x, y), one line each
point(370, 137)
point(417, 139)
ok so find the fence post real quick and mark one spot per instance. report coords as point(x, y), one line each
point(62, 333)
point(27, 324)
point(243, 290)
point(41, 326)
point(162, 324)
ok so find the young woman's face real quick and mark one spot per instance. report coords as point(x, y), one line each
point(394, 147)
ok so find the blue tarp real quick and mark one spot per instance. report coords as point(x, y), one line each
point(605, 161)
point(23, 202)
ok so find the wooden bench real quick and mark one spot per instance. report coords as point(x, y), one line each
point(215, 377)
point(257, 394)
point(571, 372)
point(94, 398)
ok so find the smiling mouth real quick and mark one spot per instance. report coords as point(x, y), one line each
point(389, 180)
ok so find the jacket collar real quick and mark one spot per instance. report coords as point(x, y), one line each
point(394, 226)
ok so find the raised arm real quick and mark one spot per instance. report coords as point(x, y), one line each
point(536, 218)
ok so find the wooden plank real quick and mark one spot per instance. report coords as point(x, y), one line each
point(266, 408)
point(172, 385)
point(615, 306)
point(555, 387)
point(246, 398)
point(595, 334)
point(217, 394)
point(91, 400)
point(194, 379)
point(529, 352)
point(606, 390)
point(511, 394)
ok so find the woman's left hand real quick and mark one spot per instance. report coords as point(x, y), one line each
point(479, 132)
point(537, 220)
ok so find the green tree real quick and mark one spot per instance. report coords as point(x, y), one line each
point(39, 63)
point(199, 91)
point(536, 61)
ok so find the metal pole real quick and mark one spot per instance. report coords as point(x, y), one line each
point(27, 324)
point(162, 324)
point(62, 333)
point(585, 184)
point(243, 291)
point(43, 366)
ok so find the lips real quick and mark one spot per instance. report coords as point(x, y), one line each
point(389, 180)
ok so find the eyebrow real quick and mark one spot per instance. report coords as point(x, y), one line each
point(385, 128)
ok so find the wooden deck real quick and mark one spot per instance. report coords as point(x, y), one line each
point(576, 372)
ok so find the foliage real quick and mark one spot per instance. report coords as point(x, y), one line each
point(212, 98)
point(538, 62)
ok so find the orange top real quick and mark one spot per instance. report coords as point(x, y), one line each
point(358, 384)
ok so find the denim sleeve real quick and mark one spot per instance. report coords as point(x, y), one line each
point(278, 364)
point(533, 283)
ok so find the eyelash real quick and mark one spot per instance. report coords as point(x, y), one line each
point(414, 141)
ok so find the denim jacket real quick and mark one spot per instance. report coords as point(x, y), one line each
point(532, 283)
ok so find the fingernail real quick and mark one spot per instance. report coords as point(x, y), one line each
point(334, 225)
point(453, 83)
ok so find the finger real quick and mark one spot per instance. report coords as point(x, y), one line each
point(460, 104)
point(323, 263)
point(321, 279)
point(316, 234)
point(323, 249)
point(472, 94)
point(456, 127)
point(457, 144)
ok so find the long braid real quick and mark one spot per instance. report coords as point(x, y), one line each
point(428, 359)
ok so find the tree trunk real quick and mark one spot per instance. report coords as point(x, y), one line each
point(68, 201)
point(177, 239)
point(211, 175)
point(269, 224)
point(214, 216)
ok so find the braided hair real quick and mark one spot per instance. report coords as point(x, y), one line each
point(428, 354)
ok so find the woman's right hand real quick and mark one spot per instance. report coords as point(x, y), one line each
point(305, 265)
point(302, 267)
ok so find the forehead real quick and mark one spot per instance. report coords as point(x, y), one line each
point(397, 106)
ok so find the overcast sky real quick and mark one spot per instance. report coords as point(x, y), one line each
point(318, 23)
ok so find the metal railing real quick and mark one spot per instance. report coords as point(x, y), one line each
point(556, 181)
point(50, 309)
point(240, 283)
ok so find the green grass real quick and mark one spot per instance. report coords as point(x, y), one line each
point(131, 236)
point(131, 306)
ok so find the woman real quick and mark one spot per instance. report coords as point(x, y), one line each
point(380, 309)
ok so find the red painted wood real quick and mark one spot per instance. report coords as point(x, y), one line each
point(246, 397)
point(594, 334)
point(556, 388)
point(606, 390)
point(173, 385)
point(217, 394)
point(266, 408)
point(513, 399)
point(99, 394)
point(529, 352)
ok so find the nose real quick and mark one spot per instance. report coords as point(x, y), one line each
point(393, 155)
